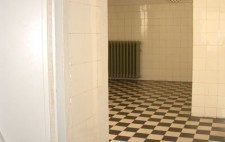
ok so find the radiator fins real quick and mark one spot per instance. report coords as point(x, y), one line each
point(124, 59)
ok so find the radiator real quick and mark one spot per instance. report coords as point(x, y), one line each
point(124, 59)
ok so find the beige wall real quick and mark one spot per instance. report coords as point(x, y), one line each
point(209, 58)
point(86, 75)
point(165, 30)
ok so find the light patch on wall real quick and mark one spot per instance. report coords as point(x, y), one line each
point(34, 40)
point(144, 14)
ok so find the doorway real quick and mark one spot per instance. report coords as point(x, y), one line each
point(156, 105)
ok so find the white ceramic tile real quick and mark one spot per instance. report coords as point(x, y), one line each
point(199, 89)
point(211, 101)
point(88, 101)
point(83, 16)
point(221, 77)
point(220, 113)
point(212, 76)
point(199, 64)
point(212, 89)
point(210, 112)
point(212, 39)
point(212, 26)
point(83, 77)
point(200, 38)
point(208, 41)
point(222, 13)
point(93, 131)
point(200, 13)
point(78, 47)
point(199, 76)
point(221, 100)
point(198, 111)
point(86, 37)
point(213, 4)
point(79, 132)
point(200, 3)
point(198, 100)
point(221, 89)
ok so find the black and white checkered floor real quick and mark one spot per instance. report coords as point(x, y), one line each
point(148, 111)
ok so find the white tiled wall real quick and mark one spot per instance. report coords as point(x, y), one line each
point(165, 30)
point(86, 73)
point(209, 58)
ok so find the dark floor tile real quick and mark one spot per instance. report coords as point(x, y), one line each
point(164, 124)
point(159, 113)
point(114, 132)
point(140, 135)
point(175, 129)
point(145, 115)
point(203, 132)
point(169, 138)
point(154, 119)
point(217, 138)
point(150, 140)
point(198, 140)
point(122, 138)
point(219, 121)
point(191, 126)
point(205, 124)
point(137, 111)
point(130, 117)
point(122, 124)
point(158, 132)
point(123, 113)
point(148, 127)
point(187, 135)
point(218, 129)
point(131, 129)
point(115, 119)
point(184, 115)
point(197, 119)
point(169, 117)
point(179, 122)
point(139, 122)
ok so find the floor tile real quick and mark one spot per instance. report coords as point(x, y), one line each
point(154, 111)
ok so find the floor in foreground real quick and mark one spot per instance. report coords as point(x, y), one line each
point(150, 111)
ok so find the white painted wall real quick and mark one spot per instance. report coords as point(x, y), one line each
point(209, 59)
point(86, 72)
point(24, 115)
point(165, 31)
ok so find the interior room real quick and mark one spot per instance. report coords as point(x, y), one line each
point(152, 40)
point(112, 70)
